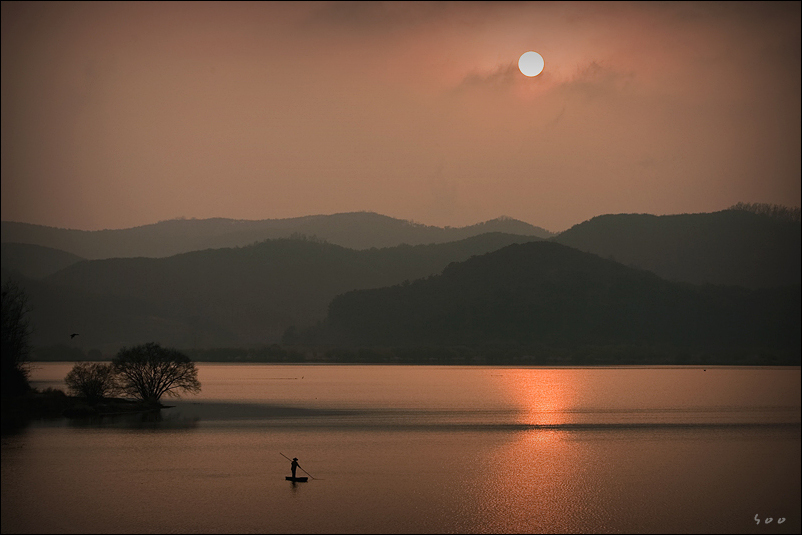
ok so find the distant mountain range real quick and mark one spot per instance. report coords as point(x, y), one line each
point(468, 286)
point(357, 230)
point(731, 247)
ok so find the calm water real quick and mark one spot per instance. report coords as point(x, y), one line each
point(424, 450)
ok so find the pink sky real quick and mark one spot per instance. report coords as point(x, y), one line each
point(123, 114)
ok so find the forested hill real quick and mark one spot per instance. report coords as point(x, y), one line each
point(356, 230)
point(230, 297)
point(546, 295)
point(34, 261)
point(730, 247)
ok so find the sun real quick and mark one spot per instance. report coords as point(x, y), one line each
point(531, 63)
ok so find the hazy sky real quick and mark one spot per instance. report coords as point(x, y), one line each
point(123, 114)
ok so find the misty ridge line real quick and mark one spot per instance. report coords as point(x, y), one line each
point(751, 245)
point(278, 289)
point(355, 230)
point(773, 210)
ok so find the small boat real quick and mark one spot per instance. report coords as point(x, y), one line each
point(297, 479)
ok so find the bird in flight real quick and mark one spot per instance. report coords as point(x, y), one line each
point(73, 335)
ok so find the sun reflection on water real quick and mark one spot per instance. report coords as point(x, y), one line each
point(531, 480)
point(543, 396)
point(601, 448)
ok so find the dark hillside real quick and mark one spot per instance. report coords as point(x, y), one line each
point(104, 322)
point(34, 261)
point(542, 293)
point(243, 296)
point(731, 247)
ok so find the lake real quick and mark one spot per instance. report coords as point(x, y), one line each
point(423, 449)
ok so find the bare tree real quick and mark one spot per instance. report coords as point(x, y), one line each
point(16, 345)
point(94, 381)
point(150, 371)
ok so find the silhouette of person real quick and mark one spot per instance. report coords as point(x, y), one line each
point(294, 465)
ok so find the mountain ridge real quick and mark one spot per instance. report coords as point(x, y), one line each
point(730, 247)
point(271, 290)
point(35, 261)
point(356, 230)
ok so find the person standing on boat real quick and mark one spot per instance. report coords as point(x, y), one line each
point(294, 465)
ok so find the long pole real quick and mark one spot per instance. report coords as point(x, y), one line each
point(299, 466)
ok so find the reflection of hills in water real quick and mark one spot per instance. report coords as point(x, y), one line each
point(222, 414)
point(254, 415)
point(159, 419)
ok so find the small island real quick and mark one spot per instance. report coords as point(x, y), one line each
point(132, 384)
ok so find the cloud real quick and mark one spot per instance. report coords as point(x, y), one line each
point(504, 75)
point(595, 79)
